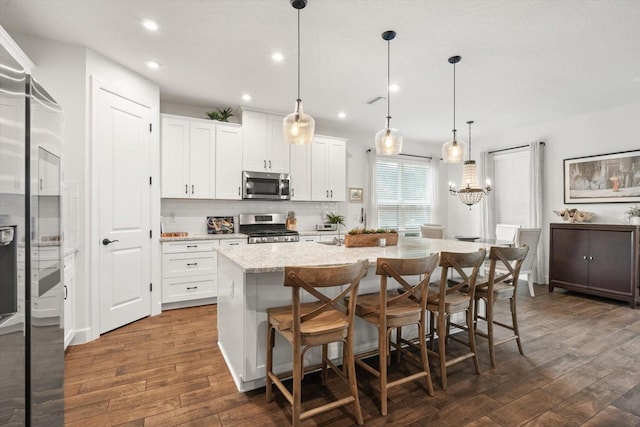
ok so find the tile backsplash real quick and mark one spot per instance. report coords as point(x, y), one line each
point(191, 215)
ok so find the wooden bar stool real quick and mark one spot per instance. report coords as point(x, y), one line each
point(393, 309)
point(500, 286)
point(446, 299)
point(316, 324)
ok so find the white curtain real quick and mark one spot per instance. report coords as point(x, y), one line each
point(487, 209)
point(372, 210)
point(436, 205)
point(536, 168)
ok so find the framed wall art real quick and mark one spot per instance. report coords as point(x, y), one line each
point(355, 194)
point(605, 178)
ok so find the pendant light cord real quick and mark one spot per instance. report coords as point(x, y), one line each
point(454, 101)
point(388, 83)
point(469, 123)
point(298, 54)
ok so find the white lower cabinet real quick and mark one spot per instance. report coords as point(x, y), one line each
point(189, 270)
point(68, 298)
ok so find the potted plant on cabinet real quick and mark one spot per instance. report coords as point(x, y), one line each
point(634, 215)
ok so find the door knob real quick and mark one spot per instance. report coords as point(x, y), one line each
point(107, 241)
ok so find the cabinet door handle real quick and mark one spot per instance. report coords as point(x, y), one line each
point(332, 194)
point(191, 287)
point(234, 244)
point(269, 164)
point(186, 189)
point(293, 192)
point(238, 191)
point(193, 188)
point(265, 164)
point(191, 263)
point(66, 292)
point(192, 246)
point(41, 186)
point(327, 193)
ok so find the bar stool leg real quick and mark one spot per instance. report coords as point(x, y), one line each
point(442, 324)
point(297, 386)
point(424, 356)
point(383, 350)
point(489, 316)
point(514, 319)
point(348, 354)
point(472, 339)
point(269, 367)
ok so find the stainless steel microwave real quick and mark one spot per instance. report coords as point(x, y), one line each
point(265, 185)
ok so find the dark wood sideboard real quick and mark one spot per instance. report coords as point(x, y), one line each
point(596, 259)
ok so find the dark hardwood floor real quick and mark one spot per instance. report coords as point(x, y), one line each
point(581, 367)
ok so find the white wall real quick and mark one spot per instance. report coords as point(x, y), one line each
point(595, 133)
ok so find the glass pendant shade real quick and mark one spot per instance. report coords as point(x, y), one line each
point(453, 151)
point(298, 127)
point(388, 141)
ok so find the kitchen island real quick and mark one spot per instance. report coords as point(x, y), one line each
point(250, 280)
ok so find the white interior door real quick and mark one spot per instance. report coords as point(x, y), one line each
point(124, 144)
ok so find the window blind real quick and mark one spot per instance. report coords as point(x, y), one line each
point(511, 175)
point(404, 193)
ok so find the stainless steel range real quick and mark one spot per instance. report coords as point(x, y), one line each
point(267, 228)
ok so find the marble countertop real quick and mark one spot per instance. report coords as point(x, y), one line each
point(204, 237)
point(272, 257)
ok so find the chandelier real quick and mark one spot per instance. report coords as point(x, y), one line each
point(470, 192)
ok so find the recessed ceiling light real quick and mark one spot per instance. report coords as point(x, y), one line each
point(342, 114)
point(246, 97)
point(150, 24)
point(154, 65)
point(394, 87)
point(277, 56)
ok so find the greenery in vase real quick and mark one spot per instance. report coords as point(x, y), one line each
point(633, 211)
point(335, 219)
point(221, 115)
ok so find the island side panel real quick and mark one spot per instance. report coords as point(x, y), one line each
point(231, 317)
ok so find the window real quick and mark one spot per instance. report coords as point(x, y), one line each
point(511, 176)
point(403, 193)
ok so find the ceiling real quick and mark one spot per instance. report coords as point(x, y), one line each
point(523, 61)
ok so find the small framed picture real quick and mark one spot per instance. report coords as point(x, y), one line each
point(355, 194)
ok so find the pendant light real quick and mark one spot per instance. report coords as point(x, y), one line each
point(298, 127)
point(470, 192)
point(453, 151)
point(388, 140)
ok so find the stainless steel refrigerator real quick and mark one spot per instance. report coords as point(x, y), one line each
point(31, 334)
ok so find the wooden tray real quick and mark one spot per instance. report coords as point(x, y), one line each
point(373, 239)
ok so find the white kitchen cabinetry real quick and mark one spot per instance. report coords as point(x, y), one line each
point(233, 242)
point(300, 169)
point(189, 270)
point(228, 162)
point(264, 148)
point(188, 158)
point(328, 169)
point(68, 298)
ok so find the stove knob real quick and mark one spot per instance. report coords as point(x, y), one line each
point(275, 239)
point(286, 239)
point(263, 239)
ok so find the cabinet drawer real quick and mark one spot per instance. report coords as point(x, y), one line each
point(189, 246)
point(233, 242)
point(184, 289)
point(195, 264)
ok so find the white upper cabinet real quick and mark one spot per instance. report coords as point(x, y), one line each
point(300, 169)
point(328, 169)
point(264, 148)
point(202, 160)
point(192, 161)
point(228, 162)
